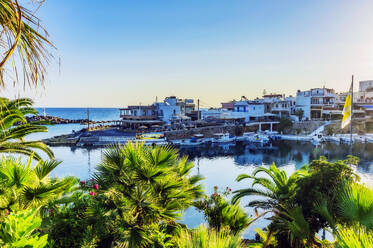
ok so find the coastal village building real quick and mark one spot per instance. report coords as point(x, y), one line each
point(249, 110)
point(171, 110)
point(364, 97)
point(279, 104)
point(317, 104)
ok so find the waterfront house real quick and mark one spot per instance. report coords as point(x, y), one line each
point(363, 99)
point(138, 112)
point(279, 104)
point(315, 101)
point(136, 116)
point(170, 111)
point(249, 110)
point(173, 109)
point(283, 107)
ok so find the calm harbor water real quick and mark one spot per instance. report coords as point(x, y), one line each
point(219, 165)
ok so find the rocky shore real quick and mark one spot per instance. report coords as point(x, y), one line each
point(55, 120)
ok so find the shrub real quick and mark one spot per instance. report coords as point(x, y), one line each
point(19, 230)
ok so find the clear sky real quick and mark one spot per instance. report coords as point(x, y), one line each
point(118, 52)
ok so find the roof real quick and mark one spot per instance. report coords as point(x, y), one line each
point(273, 95)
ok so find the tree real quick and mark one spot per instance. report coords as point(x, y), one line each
point(320, 190)
point(147, 189)
point(299, 113)
point(23, 187)
point(220, 213)
point(20, 36)
point(285, 124)
point(275, 186)
point(14, 128)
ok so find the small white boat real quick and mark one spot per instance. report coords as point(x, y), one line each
point(360, 139)
point(318, 138)
point(245, 136)
point(254, 138)
point(223, 138)
point(296, 137)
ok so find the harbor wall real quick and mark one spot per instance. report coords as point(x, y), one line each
point(209, 131)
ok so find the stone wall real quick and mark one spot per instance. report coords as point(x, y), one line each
point(305, 127)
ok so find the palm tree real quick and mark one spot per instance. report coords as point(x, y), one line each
point(266, 239)
point(14, 128)
point(148, 188)
point(202, 237)
point(355, 205)
point(20, 37)
point(352, 237)
point(21, 230)
point(24, 187)
point(276, 187)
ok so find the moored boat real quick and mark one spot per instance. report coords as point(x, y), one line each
point(223, 138)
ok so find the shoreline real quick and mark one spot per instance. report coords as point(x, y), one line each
point(105, 137)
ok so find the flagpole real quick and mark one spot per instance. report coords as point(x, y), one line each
point(352, 111)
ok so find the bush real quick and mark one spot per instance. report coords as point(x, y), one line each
point(205, 238)
point(19, 230)
point(222, 214)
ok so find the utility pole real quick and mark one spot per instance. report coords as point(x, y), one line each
point(198, 110)
point(88, 119)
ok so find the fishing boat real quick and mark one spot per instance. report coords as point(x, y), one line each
point(252, 137)
point(195, 140)
point(223, 138)
point(152, 139)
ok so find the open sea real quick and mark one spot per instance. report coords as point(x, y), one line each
point(219, 166)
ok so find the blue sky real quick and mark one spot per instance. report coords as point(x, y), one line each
point(115, 53)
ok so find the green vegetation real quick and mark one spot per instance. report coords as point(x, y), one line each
point(19, 230)
point(299, 113)
point(285, 125)
point(205, 238)
point(23, 45)
point(222, 214)
point(14, 128)
point(138, 194)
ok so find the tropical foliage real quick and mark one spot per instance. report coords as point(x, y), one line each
point(203, 237)
point(23, 44)
point(20, 230)
point(222, 214)
point(23, 186)
point(14, 128)
point(135, 199)
point(319, 196)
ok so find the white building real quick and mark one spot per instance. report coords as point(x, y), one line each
point(250, 110)
point(314, 101)
point(214, 113)
point(168, 110)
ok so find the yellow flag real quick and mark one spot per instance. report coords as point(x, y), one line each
point(347, 113)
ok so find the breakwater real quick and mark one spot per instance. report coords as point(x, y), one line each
point(55, 120)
